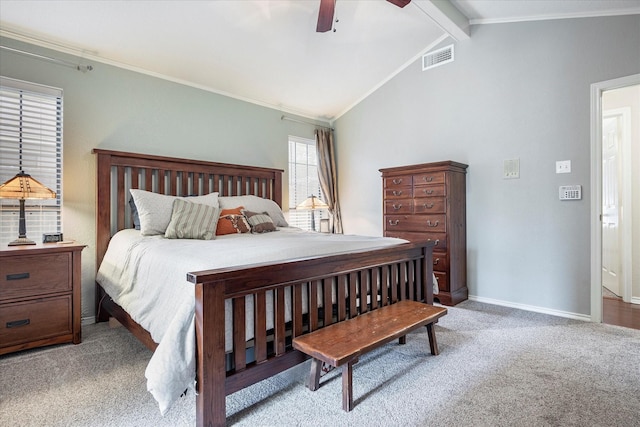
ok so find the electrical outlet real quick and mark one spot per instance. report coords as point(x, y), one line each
point(563, 166)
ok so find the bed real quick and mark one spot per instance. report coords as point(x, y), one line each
point(236, 343)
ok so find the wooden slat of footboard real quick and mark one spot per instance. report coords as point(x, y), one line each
point(239, 333)
point(313, 305)
point(342, 297)
point(353, 294)
point(327, 303)
point(372, 273)
point(120, 196)
point(297, 309)
point(279, 326)
point(260, 328)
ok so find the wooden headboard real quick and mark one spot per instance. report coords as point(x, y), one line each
point(118, 171)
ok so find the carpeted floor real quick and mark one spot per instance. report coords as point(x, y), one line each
point(497, 367)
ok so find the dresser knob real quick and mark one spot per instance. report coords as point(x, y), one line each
point(18, 323)
point(428, 178)
point(391, 222)
point(398, 207)
point(397, 193)
point(18, 276)
point(397, 181)
point(428, 191)
point(428, 206)
point(436, 261)
point(430, 224)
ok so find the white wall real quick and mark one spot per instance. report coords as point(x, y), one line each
point(112, 108)
point(518, 90)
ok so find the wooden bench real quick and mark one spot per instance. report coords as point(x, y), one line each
point(341, 344)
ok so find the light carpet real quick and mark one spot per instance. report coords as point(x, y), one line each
point(497, 367)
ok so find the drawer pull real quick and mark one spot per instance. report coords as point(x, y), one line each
point(436, 261)
point(17, 276)
point(429, 192)
point(391, 222)
point(398, 207)
point(428, 178)
point(437, 242)
point(397, 193)
point(435, 224)
point(397, 181)
point(18, 323)
point(429, 206)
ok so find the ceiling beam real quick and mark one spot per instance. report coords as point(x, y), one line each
point(446, 16)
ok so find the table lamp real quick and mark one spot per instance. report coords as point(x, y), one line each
point(312, 203)
point(22, 187)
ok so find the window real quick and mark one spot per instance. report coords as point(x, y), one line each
point(303, 182)
point(31, 141)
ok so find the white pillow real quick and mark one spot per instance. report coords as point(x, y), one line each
point(255, 204)
point(155, 209)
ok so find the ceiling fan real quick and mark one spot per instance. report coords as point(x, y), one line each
point(327, 7)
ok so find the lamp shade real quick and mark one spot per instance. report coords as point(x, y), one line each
point(312, 202)
point(23, 186)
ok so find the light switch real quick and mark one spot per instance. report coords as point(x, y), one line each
point(511, 169)
point(563, 166)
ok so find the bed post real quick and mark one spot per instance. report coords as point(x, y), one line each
point(211, 370)
point(103, 220)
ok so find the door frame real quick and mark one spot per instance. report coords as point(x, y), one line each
point(596, 186)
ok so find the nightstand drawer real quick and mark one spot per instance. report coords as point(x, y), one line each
point(27, 321)
point(26, 276)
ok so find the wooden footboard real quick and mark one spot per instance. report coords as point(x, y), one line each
point(347, 285)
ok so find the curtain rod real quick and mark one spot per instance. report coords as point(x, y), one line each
point(83, 68)
point(306, 122)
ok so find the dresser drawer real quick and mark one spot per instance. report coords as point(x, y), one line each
point(398, 181)
point(421, 223)
point(27, 321)
point(414, 236)
point(398, 193)
point(443, 281)
point(429, 178)
point(440, 261)
point(25, 276)
point(399, 206)
point(429, 191)
point(429, 205)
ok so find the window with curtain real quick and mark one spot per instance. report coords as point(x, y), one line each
point(31, 141)
point(303, 182)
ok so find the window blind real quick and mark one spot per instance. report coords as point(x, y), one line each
point(31, 141)
point(303, 182)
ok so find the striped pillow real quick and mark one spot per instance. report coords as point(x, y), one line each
point(259, 222)
point(192, 221)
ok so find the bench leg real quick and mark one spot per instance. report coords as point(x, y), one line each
point(347, 383)
point(402, 340)
point(313, 381)
point(432, 339)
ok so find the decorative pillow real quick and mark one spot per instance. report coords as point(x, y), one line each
point(255, 204)
point(232, 221)
point(155, 209)
point(259, 222)
point(192, 221)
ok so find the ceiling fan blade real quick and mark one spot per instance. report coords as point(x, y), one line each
point(400, 3)
point(325, 16)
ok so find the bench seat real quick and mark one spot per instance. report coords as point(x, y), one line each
point(342, 343)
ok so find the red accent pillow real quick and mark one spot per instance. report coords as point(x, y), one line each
point(232, 221)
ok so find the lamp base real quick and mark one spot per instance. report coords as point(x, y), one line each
point(22, 241)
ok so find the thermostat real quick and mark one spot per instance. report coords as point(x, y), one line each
point(570, 192)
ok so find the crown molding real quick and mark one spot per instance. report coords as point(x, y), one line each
point(620, 12)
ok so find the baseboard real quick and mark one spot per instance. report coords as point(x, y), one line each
point(533, 308)
point(635, 300)
point(88, 320)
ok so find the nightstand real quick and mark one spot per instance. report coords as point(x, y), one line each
point(39, 295)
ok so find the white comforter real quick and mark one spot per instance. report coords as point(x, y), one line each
point(146, 276)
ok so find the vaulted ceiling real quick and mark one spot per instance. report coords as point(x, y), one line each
point(268, 51)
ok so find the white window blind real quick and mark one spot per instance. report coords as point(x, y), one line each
point(303, 182)
point(31, 141)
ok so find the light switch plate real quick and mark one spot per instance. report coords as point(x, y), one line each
point(511, 169)
point(563, 166)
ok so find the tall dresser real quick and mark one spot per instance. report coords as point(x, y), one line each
point(428, 202)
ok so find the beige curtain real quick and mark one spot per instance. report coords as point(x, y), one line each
point(328, 176)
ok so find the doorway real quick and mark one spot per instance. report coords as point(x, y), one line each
point(615, 154)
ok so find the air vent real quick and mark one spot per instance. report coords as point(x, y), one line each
point(437, 57)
